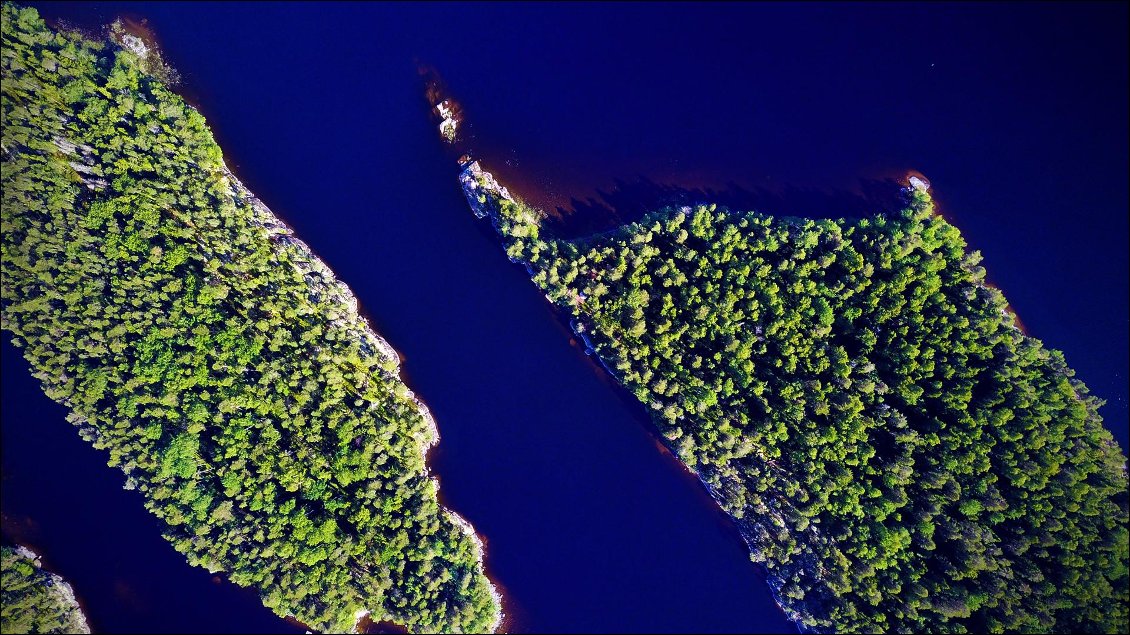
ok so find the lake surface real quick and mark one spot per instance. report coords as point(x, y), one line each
point(589, 525)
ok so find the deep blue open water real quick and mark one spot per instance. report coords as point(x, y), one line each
point(1016, 114)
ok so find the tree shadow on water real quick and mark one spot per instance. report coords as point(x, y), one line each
point(628, 201)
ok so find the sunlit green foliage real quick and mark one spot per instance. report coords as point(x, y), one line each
point(219, 365)
point(33, 600)
point(898, 454)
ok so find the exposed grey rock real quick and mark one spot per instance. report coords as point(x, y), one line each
point(135, 45)
point(481, 189)
point(61, 590)
point(919, 184)
point(450, 124)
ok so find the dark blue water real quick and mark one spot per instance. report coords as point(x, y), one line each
point(62, 500)
point(1017, 115)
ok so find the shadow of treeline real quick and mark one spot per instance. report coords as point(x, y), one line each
point(370, 627)
point(628, 201)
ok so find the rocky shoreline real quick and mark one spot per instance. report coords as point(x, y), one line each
point(326, 285)
point(62, 590)
point(323, 286)
point(470, 532)
point(482, 192)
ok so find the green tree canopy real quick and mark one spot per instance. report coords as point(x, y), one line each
point(898, 454)
point(216, 360)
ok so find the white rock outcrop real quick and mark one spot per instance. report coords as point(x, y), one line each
point(450, 124)
point(480, 188)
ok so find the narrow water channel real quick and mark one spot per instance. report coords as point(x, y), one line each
point(589, 526)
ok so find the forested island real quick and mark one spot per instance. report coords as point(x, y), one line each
point(213, 357)
point(894, 450)
point(34, 600)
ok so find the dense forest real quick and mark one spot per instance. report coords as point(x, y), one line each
point(898, 454)
point(33, 600)
point(215, 359)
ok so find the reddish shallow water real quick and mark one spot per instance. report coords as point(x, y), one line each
point(590, 528)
